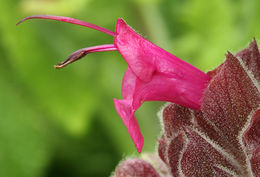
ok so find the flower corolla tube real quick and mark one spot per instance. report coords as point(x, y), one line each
point(153, 74)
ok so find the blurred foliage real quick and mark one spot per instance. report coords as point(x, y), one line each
point(57, 123)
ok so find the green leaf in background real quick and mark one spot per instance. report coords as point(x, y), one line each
point(24, 146)
point(64, 6)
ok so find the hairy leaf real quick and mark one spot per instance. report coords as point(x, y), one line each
point(223, 138)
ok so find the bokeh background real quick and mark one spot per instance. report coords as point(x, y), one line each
point(62, 123)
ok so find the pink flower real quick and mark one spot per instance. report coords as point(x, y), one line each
point(153, 74)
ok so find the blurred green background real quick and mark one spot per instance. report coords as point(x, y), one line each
point(62, 123)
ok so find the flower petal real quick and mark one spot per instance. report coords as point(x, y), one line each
point(155, 75)
point(130, 45)
point(126, 112)
point(146, 59)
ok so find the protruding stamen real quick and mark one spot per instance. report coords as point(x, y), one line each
point(82, 52)
point(70, 20)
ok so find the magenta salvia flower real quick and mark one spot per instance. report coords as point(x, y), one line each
point(153, 74)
